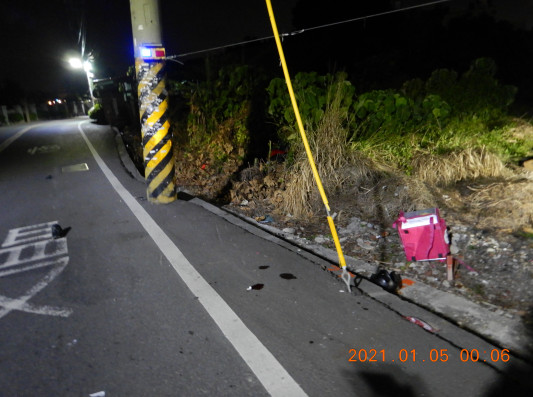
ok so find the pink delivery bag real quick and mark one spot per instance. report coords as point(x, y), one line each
point(423, 234)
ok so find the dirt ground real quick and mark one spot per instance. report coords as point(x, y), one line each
point(490, 223)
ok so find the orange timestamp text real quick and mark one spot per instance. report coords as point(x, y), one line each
point(435, 355)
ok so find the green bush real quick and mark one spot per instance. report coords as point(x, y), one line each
point(446, 113)
point(214, 103)
point(392, 112)
point(313, 94)
point(476, 92)
point(97, 113)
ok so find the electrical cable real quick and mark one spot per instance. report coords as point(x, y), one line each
point(300, 31)
point(376, 15)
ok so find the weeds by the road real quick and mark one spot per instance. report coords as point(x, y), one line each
point(380, 151)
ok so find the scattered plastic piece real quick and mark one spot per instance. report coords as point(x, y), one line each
point(268, 219)
point(275, 152)
point(461, 262)
point(421, 323)
point(407, 282)
point(344, 273)
point(58, 231)
point(255, 286)
point(381, 235)
point(98, 394)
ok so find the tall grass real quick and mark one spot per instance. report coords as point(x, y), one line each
point(465, 149)
point(337, 164)
point(389, 139)
point(469, 163)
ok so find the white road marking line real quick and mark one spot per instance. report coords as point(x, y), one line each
point(39, 245)
point(41, 231)
point(75, 168)
point(44, 149)
point(276, 380)
point(13, 138)
point(21, 269)
point(39, 250)
point(17, 304)
point(21, 302)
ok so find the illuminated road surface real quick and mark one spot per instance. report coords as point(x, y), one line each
point(138, 299)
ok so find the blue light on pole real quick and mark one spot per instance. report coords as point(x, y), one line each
point(146, 52)
point(152, 52)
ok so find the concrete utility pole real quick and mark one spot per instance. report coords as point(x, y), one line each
point(153, 101)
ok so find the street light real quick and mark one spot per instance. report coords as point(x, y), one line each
point(77, 63)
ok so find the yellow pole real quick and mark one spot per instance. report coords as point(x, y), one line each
point(156, 132)
point(345, 275)
point(153, 102)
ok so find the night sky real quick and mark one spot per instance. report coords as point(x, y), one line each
point(38, 36)
point(43, 33)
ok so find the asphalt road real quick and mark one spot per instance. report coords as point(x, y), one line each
point(137, 299)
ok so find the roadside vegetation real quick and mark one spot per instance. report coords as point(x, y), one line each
point(386, 150)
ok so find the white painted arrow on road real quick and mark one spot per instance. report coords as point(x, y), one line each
point(30, 248)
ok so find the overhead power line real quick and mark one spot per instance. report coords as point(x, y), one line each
point(297, 32)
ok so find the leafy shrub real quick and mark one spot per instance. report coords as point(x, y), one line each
point(446, 114)
point(313, 94)
point(217, 102)
point(97, 113)
point(391, 111)
point(477, 91)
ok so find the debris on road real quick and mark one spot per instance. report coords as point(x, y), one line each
point(421, 323)
point(268, 219)
point(59, 232)
point(288, 276)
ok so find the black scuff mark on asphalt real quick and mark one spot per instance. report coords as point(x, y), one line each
point(288, 276)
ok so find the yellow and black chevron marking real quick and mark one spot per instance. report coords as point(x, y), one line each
point(155, 129)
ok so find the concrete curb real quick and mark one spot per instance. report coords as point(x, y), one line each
point(495, 328)
point(124, 157)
